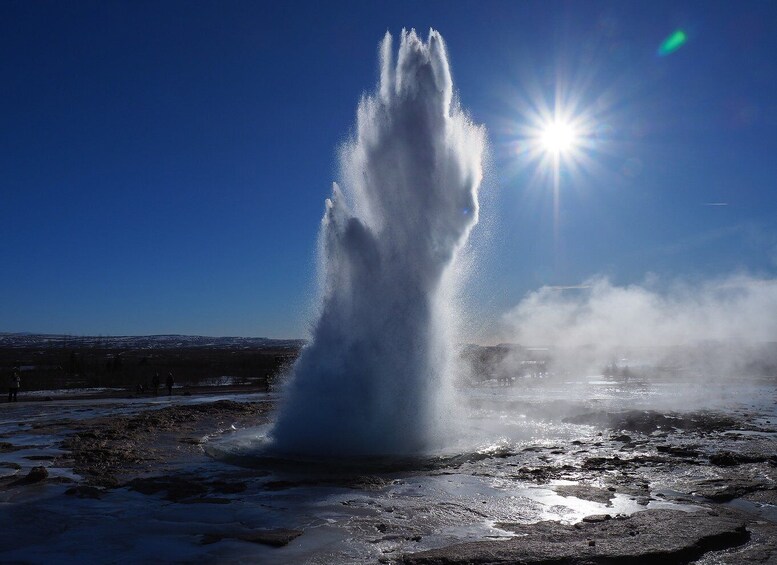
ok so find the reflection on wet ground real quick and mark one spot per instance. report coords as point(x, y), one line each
point(560, 452)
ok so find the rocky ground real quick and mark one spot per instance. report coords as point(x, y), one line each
point(719, 468)
point(110, 451)
point(722, 465)
point(652, 536)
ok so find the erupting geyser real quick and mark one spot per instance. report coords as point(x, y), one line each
point(375, 377)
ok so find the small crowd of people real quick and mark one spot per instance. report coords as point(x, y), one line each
point(155, 382)
point(15, 383)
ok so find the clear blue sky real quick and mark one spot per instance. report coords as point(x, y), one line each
point(164, 165)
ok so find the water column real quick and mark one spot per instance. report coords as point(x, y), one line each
point(375, 376)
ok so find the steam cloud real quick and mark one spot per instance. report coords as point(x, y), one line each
point(375, 376)
point(727, 316)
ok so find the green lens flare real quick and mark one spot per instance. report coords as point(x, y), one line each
point(673, 43)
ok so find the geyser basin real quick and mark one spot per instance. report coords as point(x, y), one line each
point(375, 378)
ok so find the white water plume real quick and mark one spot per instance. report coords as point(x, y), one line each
point(375, 377)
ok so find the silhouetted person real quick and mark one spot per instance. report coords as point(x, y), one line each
point(13, 385)
point(170, 382)
point(155, 383)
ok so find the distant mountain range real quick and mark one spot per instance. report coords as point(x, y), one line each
point(51, 341)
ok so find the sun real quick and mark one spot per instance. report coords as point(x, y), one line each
point(558, 137)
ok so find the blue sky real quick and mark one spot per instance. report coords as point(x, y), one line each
point(163, 166)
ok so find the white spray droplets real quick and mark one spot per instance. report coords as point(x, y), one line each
point(375, 378)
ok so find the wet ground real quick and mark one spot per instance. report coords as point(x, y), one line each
point(622, 473)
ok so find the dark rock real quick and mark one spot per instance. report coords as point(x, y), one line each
point(763, 497)
point(728, 488)
point(597, 518)
point(282, 485)
point(226, 487)
point(586, 492)
point(36, 475)
point(652, 536)
point(106, 481)
point(176, 487)
point(206, 500)
point(84, 491)
point(6, 447)
point(677, 451)
point(649, 421)
point(191, 440)
point(730, 459)
point(724, 459)
point(365, 482)
point(275, 538)
point(603, 463)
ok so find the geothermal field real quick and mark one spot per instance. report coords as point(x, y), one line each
point(551, 468)
point(627, 427)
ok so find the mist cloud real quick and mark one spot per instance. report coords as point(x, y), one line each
point(599, 320)
point(739, 308)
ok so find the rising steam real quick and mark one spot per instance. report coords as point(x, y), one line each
point(713, 327)
point(374, 378)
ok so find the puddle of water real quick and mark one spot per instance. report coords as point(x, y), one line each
point(764, 511)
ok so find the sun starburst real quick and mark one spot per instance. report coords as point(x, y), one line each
point(558, 137)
